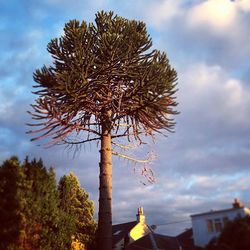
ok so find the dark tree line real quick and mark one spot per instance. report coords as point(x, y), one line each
point(235, 236)
point(36, 213)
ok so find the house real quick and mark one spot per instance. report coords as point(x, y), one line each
point(126, 233)
point(153, 241)
point(209, 225)
point(138, 235)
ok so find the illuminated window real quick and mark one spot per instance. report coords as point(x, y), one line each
point(210, 226)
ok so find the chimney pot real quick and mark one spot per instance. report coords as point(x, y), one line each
point(237, 203)
point(140, 215)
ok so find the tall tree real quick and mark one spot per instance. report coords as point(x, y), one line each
point(105, 83)
point(11, 215)
point(47, 226)
point(75, 201)
point(30, 216)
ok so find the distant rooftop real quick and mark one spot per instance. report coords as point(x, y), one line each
point(236, 205)
point(119, 231)
point(157, 241)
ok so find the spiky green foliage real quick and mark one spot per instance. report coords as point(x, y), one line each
point(75, 201)
point(105, 82)
point(104, 73)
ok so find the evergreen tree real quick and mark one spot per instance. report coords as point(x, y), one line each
point(43, 207)
point(105, 83)
point(30, 216)
point(11, 215)
point(75, 201)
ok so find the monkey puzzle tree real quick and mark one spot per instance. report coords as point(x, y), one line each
point(105, 83)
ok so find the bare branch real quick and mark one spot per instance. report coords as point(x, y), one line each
point(126, 147)
point(80, 142)
point(145, 161)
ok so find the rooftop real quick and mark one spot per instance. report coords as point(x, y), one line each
point(119, 231)
point(216, 212)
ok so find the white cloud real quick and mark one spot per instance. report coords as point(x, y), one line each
point(243, 5)
point(217, 14)
point(209, 91)
point(236, 94)
point(215, 31)
point(158, 13)
point(222, 186)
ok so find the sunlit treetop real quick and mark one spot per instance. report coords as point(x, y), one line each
point(104, 74)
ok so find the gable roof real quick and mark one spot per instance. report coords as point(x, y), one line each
point(155, 241)
point(120, 231)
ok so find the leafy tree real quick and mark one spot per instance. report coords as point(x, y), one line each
point(49, 228)
point(105, 83)
point(74, 200)
point(235, 236)
point(30, 216)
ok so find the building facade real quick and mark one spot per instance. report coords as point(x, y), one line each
point(126, 233)
point(209, 225)
point(137, 235)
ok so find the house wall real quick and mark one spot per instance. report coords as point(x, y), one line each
point(140, 230)
point(209, 225)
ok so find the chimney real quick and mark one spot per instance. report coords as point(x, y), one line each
point(140, 216)
point(237, 203)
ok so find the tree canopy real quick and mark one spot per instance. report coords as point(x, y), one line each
point(75, 201)
point(235, 236)
point(31, 215)
point(104, 70)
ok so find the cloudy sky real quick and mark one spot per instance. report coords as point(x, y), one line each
point(205, 163)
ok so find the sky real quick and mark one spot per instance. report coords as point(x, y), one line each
point(205, 164)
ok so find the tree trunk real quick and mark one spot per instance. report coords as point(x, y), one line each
point(105, 192)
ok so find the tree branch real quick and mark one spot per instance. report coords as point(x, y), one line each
point(123, 146)
point(80, 142)
point(132, 158)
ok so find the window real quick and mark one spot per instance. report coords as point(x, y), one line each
point(218, 225)
point(210, 226)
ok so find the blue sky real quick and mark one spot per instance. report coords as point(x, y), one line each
point(205, 163)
